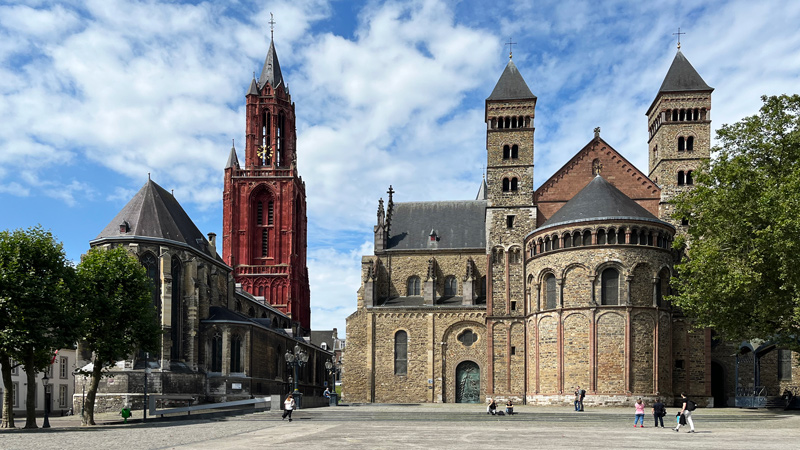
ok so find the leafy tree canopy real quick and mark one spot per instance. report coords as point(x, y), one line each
point(120, 316)
point(38, 314)
point(741, 273)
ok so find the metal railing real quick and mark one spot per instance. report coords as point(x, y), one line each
point(755, 397)
point(264, 402)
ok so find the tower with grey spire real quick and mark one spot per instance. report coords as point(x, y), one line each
point(264, 201)
point(679, 132)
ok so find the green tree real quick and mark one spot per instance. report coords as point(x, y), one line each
point(740, 274)
point(120, 318)
point(37, 311)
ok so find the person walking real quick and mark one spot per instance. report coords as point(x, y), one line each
point(639, 416)
point(577, 398)
point(288, 407)
point(686, 412)
point(659, 411)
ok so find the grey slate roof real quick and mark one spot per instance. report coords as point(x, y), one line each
point(511, 86)
point(271, 72)
point(253, 88)
point(219, 313)
point(682, 77)
point(482, 191)
point(154, 213)
point(458, 224)
point(599, 200)
point(233, 160)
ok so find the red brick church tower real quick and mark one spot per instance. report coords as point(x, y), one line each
point(264, 203)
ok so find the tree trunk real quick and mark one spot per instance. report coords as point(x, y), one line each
point(8, 393)
point(30, 406)
point(88, 407)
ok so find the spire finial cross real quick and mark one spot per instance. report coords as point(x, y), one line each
point(679, 37)
point(272, 26)
point(509, 44)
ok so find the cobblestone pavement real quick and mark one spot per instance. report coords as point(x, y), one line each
point(445, 426)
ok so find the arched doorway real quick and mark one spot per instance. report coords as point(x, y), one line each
point(718, 385)
point(468, 383)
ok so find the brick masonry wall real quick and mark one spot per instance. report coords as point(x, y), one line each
point(576, 351)
point(642, 361)
point(395, 270)
point(611, 353)
point(548, 355)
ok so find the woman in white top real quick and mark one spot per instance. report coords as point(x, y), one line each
point(288, 407)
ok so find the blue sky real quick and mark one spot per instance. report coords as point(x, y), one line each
point(95, 94)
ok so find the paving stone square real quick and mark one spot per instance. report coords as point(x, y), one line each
point(434, 426)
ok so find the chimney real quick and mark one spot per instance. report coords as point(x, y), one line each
point(212, 243)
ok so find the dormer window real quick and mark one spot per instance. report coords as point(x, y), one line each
point(124, 227)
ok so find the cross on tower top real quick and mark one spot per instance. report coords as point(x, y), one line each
point(271, 26)
point(509, 44)
point(679, 37)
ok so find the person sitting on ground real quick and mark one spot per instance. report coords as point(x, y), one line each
point(509, 407)
point(492, 409)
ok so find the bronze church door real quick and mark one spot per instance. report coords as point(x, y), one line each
point(468, 383)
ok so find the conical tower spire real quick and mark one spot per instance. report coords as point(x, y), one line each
point(682, 77)
point(233, 160)
point(271, 73)
point(511, 85)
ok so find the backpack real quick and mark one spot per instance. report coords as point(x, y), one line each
point(690, 405)
point(583, 394)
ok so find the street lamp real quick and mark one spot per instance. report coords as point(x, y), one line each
point(45, 382)
point(330, 365)
point(296, 360)
point(146, 373)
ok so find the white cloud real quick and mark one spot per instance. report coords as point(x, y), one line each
point(147, 86)
point(335, 276)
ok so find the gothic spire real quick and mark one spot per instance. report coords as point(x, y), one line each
point(233, 161)
point(271, 73)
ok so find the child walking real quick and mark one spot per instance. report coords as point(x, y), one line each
point(639, 418)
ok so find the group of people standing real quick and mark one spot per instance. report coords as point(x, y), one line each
point(683, 417)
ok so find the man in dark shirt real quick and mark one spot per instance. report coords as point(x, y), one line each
point(659, 411)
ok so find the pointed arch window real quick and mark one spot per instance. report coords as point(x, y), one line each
point(609, 294)
point(150, 263)
point(401, 353)
point(413, 286)
point(236, 353)
point(216, 352)
point(176, 328)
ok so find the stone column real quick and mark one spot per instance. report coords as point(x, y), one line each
point(592, 280)
point(655, 291)
point(535, 306)
point(628, 280)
